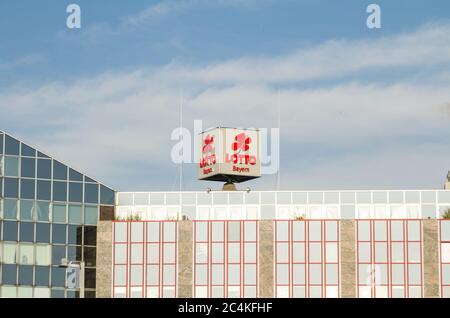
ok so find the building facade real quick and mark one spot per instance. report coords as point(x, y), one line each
point(368, 243)
point(48, 212)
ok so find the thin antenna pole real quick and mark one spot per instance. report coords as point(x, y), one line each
point(279, 145)
point(181, 127)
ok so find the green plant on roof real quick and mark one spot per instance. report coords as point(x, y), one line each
point(129, 217)
point(446, 214)
point(299, 217)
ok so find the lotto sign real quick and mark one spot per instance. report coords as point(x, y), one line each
point(229, 154)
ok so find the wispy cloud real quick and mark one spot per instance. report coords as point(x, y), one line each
point(165, 8)
point(125, 119)
point(22, 61)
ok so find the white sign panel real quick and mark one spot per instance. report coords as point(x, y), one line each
point(229, 154)
point(72, 277)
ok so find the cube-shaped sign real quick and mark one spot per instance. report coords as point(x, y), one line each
point(229, 155)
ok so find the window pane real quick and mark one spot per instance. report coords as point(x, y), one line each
point(26, 232)
point(58, 276)
point(75, 175)
point(91, 193)
point(11, 166)
point(59, 213)
point(44, 169)
point(27, 167)
point(26, 256)
point(42, 275)
point(74, 234)
point(43, 254)
point(90, 215)
point(59, 171)
point(43, 190)
point(26, 210)
point(89, 256)
point(75, 214)
point(27, 189)
point(10, 253)
point(9, 274)
point(43, 232)
point(58, 253)
point(12, 146)
point(75, 192)
point(59, 191)
point(42, 211)
point(10, 209)
point(90, 235)
point(11, 189)
point(28, 151)
point(59, 233)
point(10, 231)
point(106, 195)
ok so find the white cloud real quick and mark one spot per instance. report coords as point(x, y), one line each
point(114, 123)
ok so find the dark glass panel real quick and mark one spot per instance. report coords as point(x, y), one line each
point(27, 167)
point(1, 143)
point(9, 274)
point(59, 170)
point(87, 179)
point(42, 275)
point(26, 231)
point(58, 253)
point(43, 232)
point(74, 235)
point(89, 280)
point(75, 192)
point(58, 276)
point(74, 253)
point(44, 190)
point(90, 193)
point(41, 155)
point(25, 275)
point(59, 233)
point(75, 175)
point(11, 188)
point(106, 195)
point(12, 146)
point(27, 189)
point(90, 235)
point(89, 294)
point(89, 256)
point(28, 151)
point(10, 231)
point(59, 191)
point(44, 169)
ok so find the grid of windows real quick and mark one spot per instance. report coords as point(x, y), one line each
point(48, 211)
point(444, 230)
point(226, 259)
point(145, 259)
point(307, 258)
point(396, 204)
point(389, 258)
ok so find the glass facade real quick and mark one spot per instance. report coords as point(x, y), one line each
point(253, 205)
point(48, 211)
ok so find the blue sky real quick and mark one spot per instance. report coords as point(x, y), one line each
point(360, 108)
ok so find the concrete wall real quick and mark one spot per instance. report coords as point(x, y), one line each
point(431, 258)
point(185, 259)
point(104, 259)
point(348, 258)
point(266, 259)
